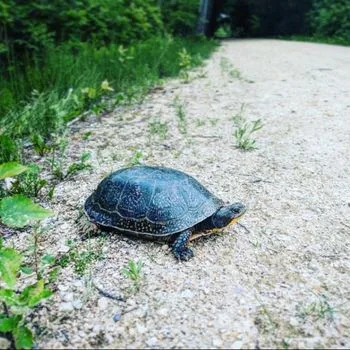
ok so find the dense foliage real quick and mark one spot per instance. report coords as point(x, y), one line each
point(261, 18)
point(331, 18)
point(180, 16)
point(267, 17)
point(34, 24)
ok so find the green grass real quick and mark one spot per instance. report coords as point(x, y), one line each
point(42, 94)
point(317, 39)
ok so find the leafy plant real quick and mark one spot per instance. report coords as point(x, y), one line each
point(17, 303)
point(156, 127)
point(181, 115)
point(133, 271)
point(243, 134)
point(320, 309)
point(79, 166)
point(80, 257)
point(40, 145)
point(18, 210)
point(227, 66)
point(29, 183)
point(136, 158)
point(185, 63)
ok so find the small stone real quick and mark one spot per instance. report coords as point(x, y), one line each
point(117, 317)
point(66, 307)
point(4, 343)
point(102, 303)
point(186, 293)
point(165, 247)
point(77, 304)
point(141, 329)
point(151, 341)
point(68, 296)
point(163, 312)
point(217, 342)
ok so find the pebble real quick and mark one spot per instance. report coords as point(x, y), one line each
point(68, 296)
point(217, 342)
point(66, 307)
point(117, 317)
point(77, 304)
point(102, 303)
point(4, 343)
point(187, 293)
point(151, 341)
point(163, 312)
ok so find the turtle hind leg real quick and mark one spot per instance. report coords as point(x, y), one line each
point(179, 248)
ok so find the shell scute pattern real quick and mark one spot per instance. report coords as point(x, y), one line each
point(151, 201)
point(135, 200)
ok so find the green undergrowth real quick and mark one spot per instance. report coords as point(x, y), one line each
point(42, 94)
point(318, 39)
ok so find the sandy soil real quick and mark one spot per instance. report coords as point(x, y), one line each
point(281, 280)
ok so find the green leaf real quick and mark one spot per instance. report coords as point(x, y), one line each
point(10, 262)
point(19, 211)
point(23, 338)
point(48, 259)
point(33, 294)
point(8, 324)
point(11, 169)
point(27, 270)
point(9, 297)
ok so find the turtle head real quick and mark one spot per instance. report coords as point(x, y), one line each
point(228, 215)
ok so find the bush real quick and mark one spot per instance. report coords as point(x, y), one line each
point(180, 16)
point(331, 18)
point(32, 25)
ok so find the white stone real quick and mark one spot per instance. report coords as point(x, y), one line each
point(68, 296)
point(102, 303)
point(66, 307)
point(151, 341)
point(77, 304)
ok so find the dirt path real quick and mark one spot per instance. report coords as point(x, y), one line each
point(285, 281)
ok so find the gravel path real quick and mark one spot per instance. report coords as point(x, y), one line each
point(282, 279)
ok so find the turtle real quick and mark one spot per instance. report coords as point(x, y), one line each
point(158, 203)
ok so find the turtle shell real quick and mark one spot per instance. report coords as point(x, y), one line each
point(153, 201)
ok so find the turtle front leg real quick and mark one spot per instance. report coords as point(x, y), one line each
point(179, 246)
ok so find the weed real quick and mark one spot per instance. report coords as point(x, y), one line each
point(264, 320)
point(320, 309)
point(40, 145)
point(185, 63)
point(156, 127)
point(79, 166)
point(18, 303)
point(56, 160)
point(244, 132)
point(18, 210)
point(227, 66)
point(213, 121)
point(136, 159)
point(238, 119)
point(9, 150)
point(133, 271)
point(81, 257)
point(200, 122)
point(29, 183)
point(86, 135)
point(181, 116)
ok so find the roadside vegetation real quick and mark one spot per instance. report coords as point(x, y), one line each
point(324, 21)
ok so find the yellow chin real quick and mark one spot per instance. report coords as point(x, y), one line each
point(235, 220)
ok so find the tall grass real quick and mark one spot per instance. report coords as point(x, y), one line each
point(43, 93)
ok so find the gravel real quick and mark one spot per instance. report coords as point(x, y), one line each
point(280, 280)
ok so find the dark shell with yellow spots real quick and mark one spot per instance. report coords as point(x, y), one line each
point(150, 201)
